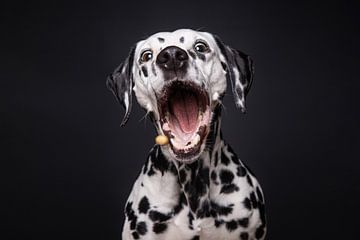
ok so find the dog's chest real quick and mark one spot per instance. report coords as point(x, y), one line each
point(183, 227)
point(198, 201)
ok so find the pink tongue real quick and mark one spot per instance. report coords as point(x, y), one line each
point(186, 110)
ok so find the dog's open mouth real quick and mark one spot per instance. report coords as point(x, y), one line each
point(184, 117)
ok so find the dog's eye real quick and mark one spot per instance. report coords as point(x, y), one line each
point(147, 55)
point(201, 47)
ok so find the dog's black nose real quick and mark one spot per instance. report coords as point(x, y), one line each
point(172, 58)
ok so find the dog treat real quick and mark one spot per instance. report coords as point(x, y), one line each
point(162, 140)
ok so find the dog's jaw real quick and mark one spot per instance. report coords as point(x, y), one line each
point(184, 115)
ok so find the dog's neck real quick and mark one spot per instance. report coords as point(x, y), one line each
point(194, 178)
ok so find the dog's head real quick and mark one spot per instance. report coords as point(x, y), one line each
point(180, 78)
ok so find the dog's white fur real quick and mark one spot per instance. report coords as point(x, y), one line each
point(162, 188)
point(209, 74)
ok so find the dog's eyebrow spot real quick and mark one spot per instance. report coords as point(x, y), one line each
point(161, 39)
point(182, 39)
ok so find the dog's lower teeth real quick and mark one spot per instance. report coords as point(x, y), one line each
point(180, 146)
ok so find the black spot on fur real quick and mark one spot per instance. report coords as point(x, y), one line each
point(133, 223)
point(216, 160)
point(259, 194)
point(190, 219)
point(135, 235)
point(241, 171)
point(231, 226)
point(160, 162)
point(247, 203)
point(204, 211)
point(262, 213)
point(229, 188)
point(187, 187)
point(221, 210)
point(197, 184)
point(144, 70)
point(244, 222)
point(205, 175)
point(194, 199)
point(173, 169)
point(151, 172)
point(156, 216)
point(159, 228)
point(224, 159)
point(218, 223)
point(144, 205)
point(193, 166)
point(244, 236)
point(141, 228)
point(195, 238)
point(182, 176)
point(179, 206)
point(161, 39)
point(259, 233)
point(213, 175)
point(253, 200)
point(129, 212)
point(182, 39)
point(235, 159)
point(248, 178)
point(226, 176)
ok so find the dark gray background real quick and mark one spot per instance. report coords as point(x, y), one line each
point(67, 167)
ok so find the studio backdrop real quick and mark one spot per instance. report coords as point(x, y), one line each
point(67, 166)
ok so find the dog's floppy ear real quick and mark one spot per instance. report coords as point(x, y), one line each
point(120, 82)
point(240, 71)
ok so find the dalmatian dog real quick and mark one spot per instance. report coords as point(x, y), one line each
point(195, 187)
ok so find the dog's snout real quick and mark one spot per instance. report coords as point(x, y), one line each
point(172, 58)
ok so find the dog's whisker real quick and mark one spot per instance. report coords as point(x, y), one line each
point(144, 118)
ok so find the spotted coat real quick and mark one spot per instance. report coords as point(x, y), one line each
point(216, 197)
point(207, 195)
